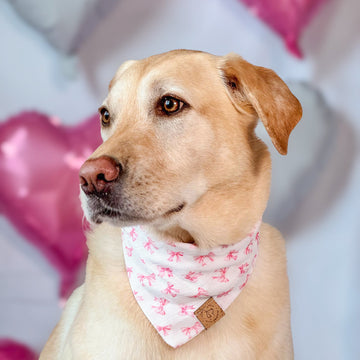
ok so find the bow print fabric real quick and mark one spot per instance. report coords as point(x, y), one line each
point(170, 281)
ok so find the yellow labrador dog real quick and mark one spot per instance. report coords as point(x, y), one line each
point(181, 159)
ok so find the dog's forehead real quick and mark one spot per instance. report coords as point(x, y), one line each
point(176, 71)
point(181, 65)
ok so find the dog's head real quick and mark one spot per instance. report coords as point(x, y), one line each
point(179, 150)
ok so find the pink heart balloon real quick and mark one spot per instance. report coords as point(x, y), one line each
point(12, 350)
point(286, 17)
point(39, 186)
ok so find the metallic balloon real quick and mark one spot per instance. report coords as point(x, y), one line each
point(39, 186)
point(12, 350)
point(286, 17)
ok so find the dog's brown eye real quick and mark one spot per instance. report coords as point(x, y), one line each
point(170, 105)
point(105, 117)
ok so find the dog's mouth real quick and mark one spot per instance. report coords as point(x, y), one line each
point(116, 216)
point(103, 212)
point(175, 210)
point(111, 214)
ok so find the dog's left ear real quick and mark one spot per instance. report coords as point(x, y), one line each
point(254, 89)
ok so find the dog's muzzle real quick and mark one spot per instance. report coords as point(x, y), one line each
point(102, 181)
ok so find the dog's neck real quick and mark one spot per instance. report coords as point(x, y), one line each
point(216, 218)
point(226, 212)
point(176, 233)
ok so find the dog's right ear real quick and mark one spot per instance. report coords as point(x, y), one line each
point(255, 90)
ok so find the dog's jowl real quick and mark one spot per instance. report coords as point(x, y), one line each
point(180, 264)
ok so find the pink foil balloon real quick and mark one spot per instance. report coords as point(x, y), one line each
point(39, 186)
point(286, 17)
point(12, 350)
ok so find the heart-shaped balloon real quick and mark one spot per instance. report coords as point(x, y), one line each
point(39, 186)
point(286, 17)
point(12, 350)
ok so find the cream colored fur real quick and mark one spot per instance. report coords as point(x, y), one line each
point(207, 157)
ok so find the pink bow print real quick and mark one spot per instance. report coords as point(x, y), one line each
point(175, 255)
point(164, 329)
point(150, 246)
point(222, 277)
point(171, 290)
point(150, 278)
point(195, 328)
point(202, 258)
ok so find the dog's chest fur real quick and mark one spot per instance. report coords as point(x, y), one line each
point(103, 321)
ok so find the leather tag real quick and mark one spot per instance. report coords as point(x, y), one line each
point(209, 313)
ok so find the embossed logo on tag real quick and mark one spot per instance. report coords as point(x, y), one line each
point(209, 313)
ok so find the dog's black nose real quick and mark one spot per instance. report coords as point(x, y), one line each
point(97, 175)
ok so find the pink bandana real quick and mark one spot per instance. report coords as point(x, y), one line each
point(182, 289)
